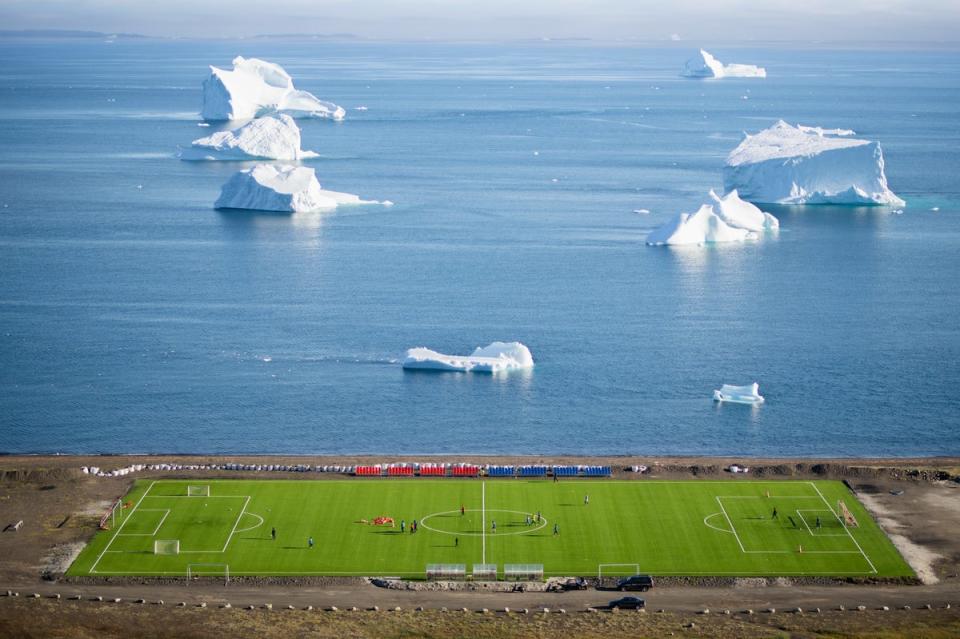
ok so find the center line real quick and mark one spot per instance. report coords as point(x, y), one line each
point(483, 521)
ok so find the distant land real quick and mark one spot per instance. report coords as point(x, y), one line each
point(65, 33)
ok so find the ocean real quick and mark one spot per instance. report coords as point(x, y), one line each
point(136, 318)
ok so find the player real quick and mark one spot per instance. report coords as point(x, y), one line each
point(556, 529)
point(586, 500)
point(463, 511)
point(775, 515)
point(403, 525)
point(310, 542)
point(494, 525)
point(818, 523)
point(273, 534)
point(456, 542)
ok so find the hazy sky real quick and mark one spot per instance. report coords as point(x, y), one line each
point(696, 20)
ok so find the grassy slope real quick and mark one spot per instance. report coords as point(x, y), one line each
point(658, 525)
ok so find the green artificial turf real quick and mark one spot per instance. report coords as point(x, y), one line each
point(656, 527)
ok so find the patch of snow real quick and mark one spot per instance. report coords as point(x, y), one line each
point(705, 65)
point(787, 164)
point(493, 358)
point(292, 189)
point(256, 87)
point(267, 138)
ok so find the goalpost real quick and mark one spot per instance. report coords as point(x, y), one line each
point(846, 516)
point(208, 570)
point(198, 491)
point(166, 547)
point(615, 570)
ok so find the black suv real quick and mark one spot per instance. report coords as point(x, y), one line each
point(625, 603)
point(642, 583)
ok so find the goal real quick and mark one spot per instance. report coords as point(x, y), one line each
point(846, 515)
point(166, 547)
point(617, 570)
point(208, 570)
point(198, 491)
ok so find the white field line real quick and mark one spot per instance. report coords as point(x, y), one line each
point(398, 573)
point(236, 523)
point(483, 521)
point(156, 529)
point(732, 527)
point(122, 524)
point(844, 524)
point(807, 524)
point(709, 525)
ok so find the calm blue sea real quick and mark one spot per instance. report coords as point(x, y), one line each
point(136, 318)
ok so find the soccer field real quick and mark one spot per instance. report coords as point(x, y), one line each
point(656, 527)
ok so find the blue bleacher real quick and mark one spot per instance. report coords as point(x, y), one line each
point(533, 471)
point(500, 471)
point(565, 471)
point(597, 471)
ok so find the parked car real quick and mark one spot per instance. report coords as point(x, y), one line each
point(575, 583)
point(625, 603)
point(642, 583)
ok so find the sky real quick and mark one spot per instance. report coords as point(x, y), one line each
point(604, 20)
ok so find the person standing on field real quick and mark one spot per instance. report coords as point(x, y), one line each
point(273, 534)
point(586, 500)
point(310, 542)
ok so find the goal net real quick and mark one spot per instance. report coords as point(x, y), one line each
point(208, 570)
point(198, 491)
point(846, 515)
point(166, 547)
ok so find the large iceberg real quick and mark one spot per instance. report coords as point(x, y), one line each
point(697, 228)
point(292, 189)
point(267, 138)
point(254, 88)
point(807, 165)
point(493, 358)
point(705, 65)
point(749, 394)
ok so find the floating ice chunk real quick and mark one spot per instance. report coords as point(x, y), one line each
point(697, 228)
point(705, 65)
point(743, 215)
point(267, 138)
point(254, 88)
point(293, 189)
point(749, 394)
point(493, 358)
point(806, 165)
point(822, 132)
point(641, 211)
point(360, 108)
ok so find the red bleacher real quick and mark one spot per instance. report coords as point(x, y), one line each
point(431, 470)
point(400, 471)
point(466, 471)
point(368, 471)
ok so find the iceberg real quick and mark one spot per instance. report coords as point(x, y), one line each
point(493, 358)
point(291, 189)
point(256, 87)
point(267, 138)
point(788, 164)
point(743, 215)
point(749, 394)
point(697, 228)
point(705, 65)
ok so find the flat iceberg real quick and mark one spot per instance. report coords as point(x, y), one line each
point(743, 215)
point(292, 189)
point(749, 394)
point(256, 87)
point(705, 65)
point(493, 358)
point(702, 227)
point(266, 138)
point(788, 164)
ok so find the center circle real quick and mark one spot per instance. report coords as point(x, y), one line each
point(506, 526)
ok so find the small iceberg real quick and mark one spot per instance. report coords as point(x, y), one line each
point(493, 358)
point(267, 138)
point(705, 65)
point(749, 394)
point(290, 189)
point(702, 227)
point(255, 88)
point(787, 164)
point(743, 215)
